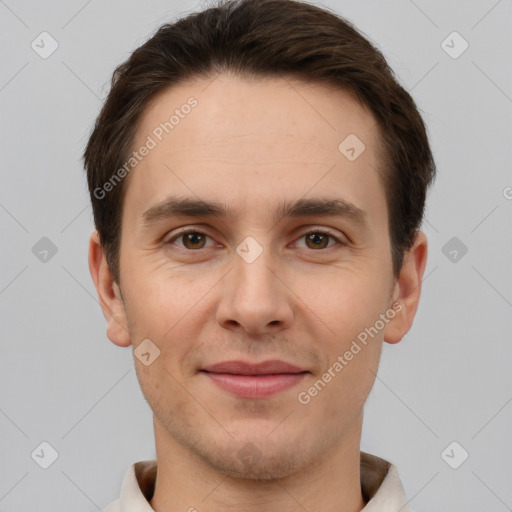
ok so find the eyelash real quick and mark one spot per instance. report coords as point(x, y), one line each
point(310, 232)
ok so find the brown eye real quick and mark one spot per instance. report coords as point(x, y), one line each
point(317, 240)
point(190, 240)
point(193, 240)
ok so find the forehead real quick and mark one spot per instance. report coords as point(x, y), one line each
point(270, 107)
point(239, 139)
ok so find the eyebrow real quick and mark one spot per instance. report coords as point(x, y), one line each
point(193, 207)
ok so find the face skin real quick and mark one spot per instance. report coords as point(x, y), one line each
point(253, 145)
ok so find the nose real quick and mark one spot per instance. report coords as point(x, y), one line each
point(255, 297)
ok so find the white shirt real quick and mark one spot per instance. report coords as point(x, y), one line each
point(380, 485)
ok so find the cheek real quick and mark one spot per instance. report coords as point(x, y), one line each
point(347, 300)
point(349, 375)
point(351, 311)
point(161, 388)
point(171, 312)
point(159, 301)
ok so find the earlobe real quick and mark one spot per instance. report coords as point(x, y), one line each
point(109, 294)
point(407, 290)
point(395, 330)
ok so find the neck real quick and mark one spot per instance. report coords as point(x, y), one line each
point(330, 483)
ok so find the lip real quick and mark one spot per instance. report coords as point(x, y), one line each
point(249, 380)
point(244, 368)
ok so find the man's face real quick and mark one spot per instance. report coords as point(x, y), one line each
point(283, 294)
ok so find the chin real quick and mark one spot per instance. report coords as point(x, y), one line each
point(252, 463)
point(255, 455)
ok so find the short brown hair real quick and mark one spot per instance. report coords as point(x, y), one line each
point(264, 38)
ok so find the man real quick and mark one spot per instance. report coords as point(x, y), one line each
point(258, 178)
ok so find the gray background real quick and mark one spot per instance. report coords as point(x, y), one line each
point(63, 382)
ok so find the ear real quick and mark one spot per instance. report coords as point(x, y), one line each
point(109, 294)
point(407, 290)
